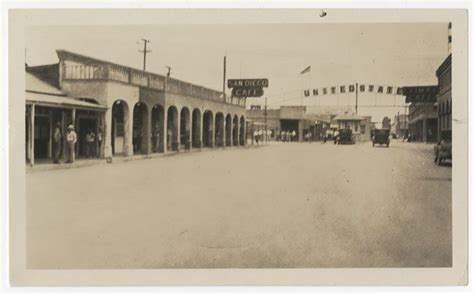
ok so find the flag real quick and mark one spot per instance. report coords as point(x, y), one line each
point(333, 90)
point(307, 69)
point(371, 88)
point(399, 91)
point(380, 89)
point(324, 91)
point(342, 89)
point(389, 90)
point(362, 88)
point(351, 88)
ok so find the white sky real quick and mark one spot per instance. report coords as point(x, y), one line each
point(339, 54)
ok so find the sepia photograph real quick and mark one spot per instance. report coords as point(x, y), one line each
point(241, 145)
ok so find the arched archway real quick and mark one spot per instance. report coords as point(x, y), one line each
point(185, 128)
point(228, 130)
point(196, 129)
point(157, 128)
point(208, 129)
point(140, 128)
point(119, 134)
point(172, 129)
point(219, 129)
point(235, 131)
point(242, 131)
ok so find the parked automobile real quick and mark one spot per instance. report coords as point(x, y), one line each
point(381, 137)
point(344, 137)
point(442, 150)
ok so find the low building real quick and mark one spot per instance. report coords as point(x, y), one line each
point(444, 99)
point(359, 125)
point(272, 120)
point(137, 112)
point(289, 119)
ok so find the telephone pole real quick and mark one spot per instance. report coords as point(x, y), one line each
point(224, 76)
point(357, 97)
point(265, 117)
point(144, 51)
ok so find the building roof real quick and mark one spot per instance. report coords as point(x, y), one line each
point(34, 84)
point(348, 117)
point(38, 91)
point(60, 101)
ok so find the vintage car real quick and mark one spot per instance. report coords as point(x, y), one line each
point(381, 137)
point(442, 150)
point(344, 137)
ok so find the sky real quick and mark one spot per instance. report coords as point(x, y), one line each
point(388, 54)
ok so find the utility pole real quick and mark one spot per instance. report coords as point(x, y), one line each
point(144, 51)
point(223, 80)
point(265, 119)
point(357, 96)
point(398, 123)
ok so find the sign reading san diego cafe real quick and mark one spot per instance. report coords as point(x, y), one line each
point(247, 87)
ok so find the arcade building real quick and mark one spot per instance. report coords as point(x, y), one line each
point(135, 111)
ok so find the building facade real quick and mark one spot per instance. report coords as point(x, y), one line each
point(423, 121)
point(444, 99)
point(139, 112)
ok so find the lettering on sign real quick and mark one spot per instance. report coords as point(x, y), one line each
point(263, 83)
point(420, 94)
point(247, 92)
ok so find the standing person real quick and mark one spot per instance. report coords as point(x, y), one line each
point(57, 138)
point(156, 136)
point(99, 142)
point(255, 136)
point(293, 135)
point(90, 144)
point(170, 136)
point(71, 139)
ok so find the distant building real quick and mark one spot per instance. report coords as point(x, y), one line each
point(400, 125)
point(289, 119)
point(444, 99)
point(360, 125)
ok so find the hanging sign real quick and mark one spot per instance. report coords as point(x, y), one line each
point(247, 92)
point(420, 93)
point(247, 87)
point(232, 83)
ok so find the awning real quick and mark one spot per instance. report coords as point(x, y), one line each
point(60, 101)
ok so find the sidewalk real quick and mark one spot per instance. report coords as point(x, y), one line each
point(49, 165)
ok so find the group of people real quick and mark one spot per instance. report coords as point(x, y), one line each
point(287, 136)
point(259, 135)
point(93, 143)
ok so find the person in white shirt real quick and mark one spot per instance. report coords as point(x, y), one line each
point(71, 139)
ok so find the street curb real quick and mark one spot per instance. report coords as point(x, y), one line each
point(116, 160)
